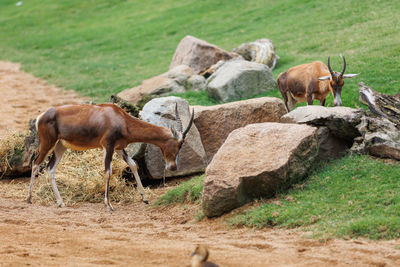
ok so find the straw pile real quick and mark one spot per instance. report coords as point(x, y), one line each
point(11, 151)
point(79, 176)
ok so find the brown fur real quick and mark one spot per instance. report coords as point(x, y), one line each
point(106, 126)
point(301, 84)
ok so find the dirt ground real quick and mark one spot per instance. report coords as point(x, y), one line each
point(138, 234)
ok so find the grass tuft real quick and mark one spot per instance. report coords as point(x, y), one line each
point(187, 192)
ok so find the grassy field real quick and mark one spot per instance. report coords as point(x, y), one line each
point(350, 197)
point(102, 47)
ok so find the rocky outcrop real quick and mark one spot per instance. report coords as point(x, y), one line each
point(341, 121)
point(192, 157)
point(337, 127)
point(379, 137)
point(256, 161)
point(379, 128)
point(198, 54)
point(383, 105)
point(261, 51)
point(178, 80)
point(375, 132)
point(239, 79)
point(215, 123)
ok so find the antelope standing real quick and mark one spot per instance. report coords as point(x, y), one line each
point(315, 80)
point(107, 126)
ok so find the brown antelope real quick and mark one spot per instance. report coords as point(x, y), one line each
point(200, 256)
point(106, 126)
point(314, 80)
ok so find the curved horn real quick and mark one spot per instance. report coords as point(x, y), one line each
point(178, 119)
point(344, 66)
point(189, 125)
point(329, 67)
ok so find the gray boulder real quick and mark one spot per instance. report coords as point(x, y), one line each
point(260, 51)
point(275, 156)
point(198, 54)
point(239, 79)
point(215, 123)
point(192, 157)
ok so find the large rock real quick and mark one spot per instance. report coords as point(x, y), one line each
point(261, 51)
point(239, 79)
point(341, 121)
point(275, 156)
point(198, 54)
point(179, 79)
point(215, 123)
point(192, 157)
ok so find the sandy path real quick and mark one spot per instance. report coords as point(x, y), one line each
point(24, 97)
point(137, 234)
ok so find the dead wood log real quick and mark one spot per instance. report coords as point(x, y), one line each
point(379, 127)
point(387, 106)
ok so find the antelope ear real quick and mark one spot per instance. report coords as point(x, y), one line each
point(177, 135)
point(350, 75)
point(323, 78)
point(174, 132)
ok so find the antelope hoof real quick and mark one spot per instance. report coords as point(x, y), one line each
point(29, 201)
point(110, 207)
point(145, 201)
point(61, 205)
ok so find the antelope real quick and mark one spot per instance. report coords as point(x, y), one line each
point(107, 126)
point(200, 256)
point(310, 81)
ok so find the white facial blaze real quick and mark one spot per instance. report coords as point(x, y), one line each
point(338, 100)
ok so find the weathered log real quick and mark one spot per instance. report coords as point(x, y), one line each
point(379, 127)
point(387, 106)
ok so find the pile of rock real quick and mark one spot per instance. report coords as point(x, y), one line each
point(212, 125)
point(260, 159)
point(253, 148)
point(225, 76)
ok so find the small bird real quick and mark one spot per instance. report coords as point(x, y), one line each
point(200, 256)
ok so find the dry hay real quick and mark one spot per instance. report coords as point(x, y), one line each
point(79, 176)
point(11, 150)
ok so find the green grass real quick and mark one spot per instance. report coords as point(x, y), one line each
point(350, 197)
point(102, 47)
point(188, 192)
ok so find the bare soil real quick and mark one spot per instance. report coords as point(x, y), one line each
point(137, 234)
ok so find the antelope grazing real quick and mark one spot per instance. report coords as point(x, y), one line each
point(315, 80)
point(107, 126)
